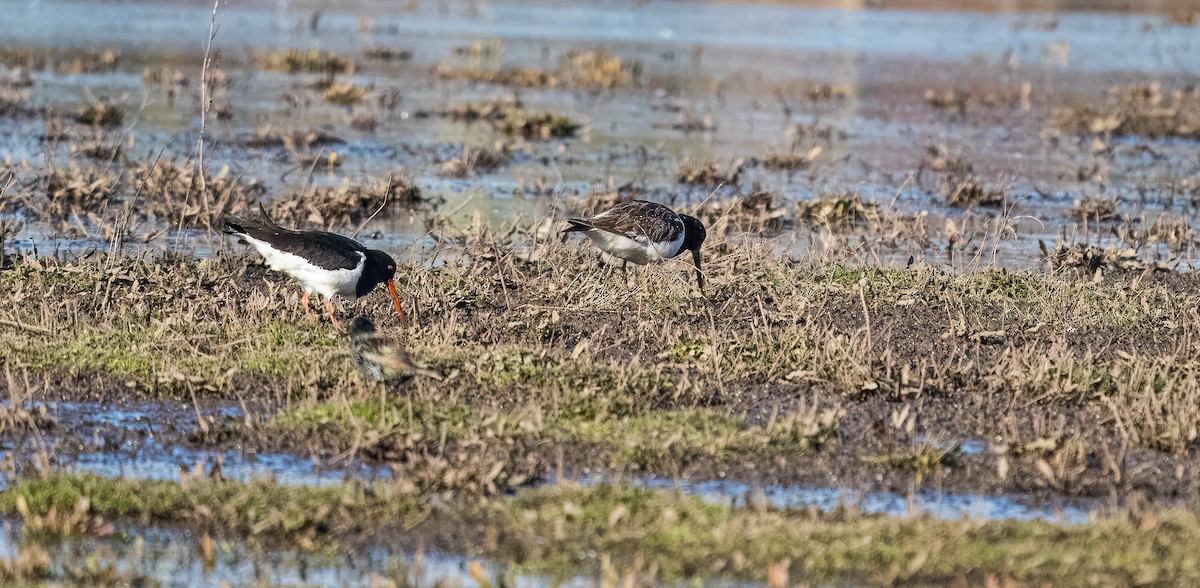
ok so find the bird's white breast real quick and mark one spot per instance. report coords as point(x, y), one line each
point(327, 283)
point(639, 250)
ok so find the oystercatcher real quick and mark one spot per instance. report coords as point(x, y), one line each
point(381, 358)
point(643, 232)
point(324, 263)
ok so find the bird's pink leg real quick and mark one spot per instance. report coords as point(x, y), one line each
point(304, 301)
point(329, 309)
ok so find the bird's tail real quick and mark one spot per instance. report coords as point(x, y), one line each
point(244, 226)
point(577, 225)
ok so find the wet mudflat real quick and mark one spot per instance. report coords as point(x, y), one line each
point(949, 302)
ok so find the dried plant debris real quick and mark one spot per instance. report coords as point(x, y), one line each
point(487, 48)
point(508, 118)
point(838, 210)
point(75, 189)
point(386, 53)
point(589, 70)
point(792, 161)
point(958, 182)
point(516, 78)
point(1145, 111)
point(954, 100)
point(710, 173)
point(171, 191)
point(966, 190)
point(1091, 209)
point(538, 126)
point(346, 204)
point(344, 94)
point(300, 61)
point(1172, 230)
point(757, 212)
point(477, 160)
point(102, 113)
point(599, 70)
point(268, 136)
point(821, 92)
point(1091, 258)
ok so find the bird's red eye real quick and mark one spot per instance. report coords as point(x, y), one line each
point(391, 267)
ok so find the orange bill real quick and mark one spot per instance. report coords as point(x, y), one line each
point(391, 286)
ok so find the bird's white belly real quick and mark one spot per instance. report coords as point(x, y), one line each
point(327, 283)
point(640, 252)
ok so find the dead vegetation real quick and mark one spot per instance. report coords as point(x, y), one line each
point(304, 61)
point(72, 189)
point(509, 118)
point(1097, 210)
point(1145, 111)
point(386, 53)
point(710, 173)
point(1092, 258)
point(102, 113)
point(594, 71)
point(269, 136)
point(476, 160)
point(517, 78)
point(348, 204)
point(344, 94)
point(957, 181)
point(757, 212)
point(838, 210)
point(169, 191)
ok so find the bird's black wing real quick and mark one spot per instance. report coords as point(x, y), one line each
point(325, 250)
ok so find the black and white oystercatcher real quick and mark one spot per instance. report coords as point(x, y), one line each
point(379, 357)
point(643, 232)
point(324, 263)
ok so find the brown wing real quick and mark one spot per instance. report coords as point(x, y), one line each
point(639, 220)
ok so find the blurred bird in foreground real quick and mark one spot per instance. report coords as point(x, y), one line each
point(379, 357)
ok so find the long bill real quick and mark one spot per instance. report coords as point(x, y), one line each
point(699, 274)
point(391, 286)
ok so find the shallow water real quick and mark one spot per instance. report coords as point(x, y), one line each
point(934, 503)
point(130, 440)
point(173, 557)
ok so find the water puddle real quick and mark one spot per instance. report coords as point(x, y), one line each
point(144, 441)
point(173, 557)
point(937, 504)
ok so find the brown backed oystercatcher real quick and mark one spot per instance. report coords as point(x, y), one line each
point(324, 263)
point(379, 357)
point(643, 232)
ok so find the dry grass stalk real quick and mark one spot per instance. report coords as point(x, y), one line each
point(347, 204)
point(756, 212)
point(477, 160)
point(1100, 210)
point(838, 210)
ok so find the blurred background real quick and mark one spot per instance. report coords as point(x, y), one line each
point(984, 132)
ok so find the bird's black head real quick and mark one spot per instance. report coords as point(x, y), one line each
point(693, 238)
point(693, 233)
point(380, 268)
